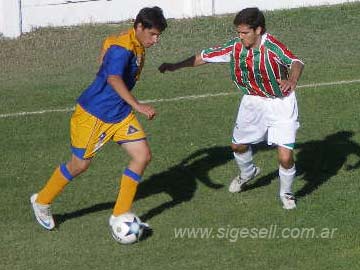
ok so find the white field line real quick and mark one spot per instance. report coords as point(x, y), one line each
point(312, 85)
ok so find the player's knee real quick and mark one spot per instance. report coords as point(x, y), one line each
point(76, 168)
point(144, 158)
point(83, 167)
point(287, 162)
point(147, 157)
point(239, 148)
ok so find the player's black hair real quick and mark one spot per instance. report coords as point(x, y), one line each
point(151, 17)
point(252, 17)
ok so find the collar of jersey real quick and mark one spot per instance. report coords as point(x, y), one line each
point(134, 39)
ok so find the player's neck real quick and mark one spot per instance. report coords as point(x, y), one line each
point(257, 43)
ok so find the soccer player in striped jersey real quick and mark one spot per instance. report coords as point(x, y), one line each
point(266, 72)
point(104, 112)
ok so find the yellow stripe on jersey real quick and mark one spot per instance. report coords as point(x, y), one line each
point(128, 41)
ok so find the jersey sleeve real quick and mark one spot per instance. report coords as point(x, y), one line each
point(116, 60)
point(282, 52)
point(218, 54)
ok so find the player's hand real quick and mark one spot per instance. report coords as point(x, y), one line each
point(146, 110)
point(286, 86)
point(167, 67)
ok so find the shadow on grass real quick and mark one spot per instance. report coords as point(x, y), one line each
point(179, 182)
point(318, 161)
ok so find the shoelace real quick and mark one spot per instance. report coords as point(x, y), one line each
point(45, 211)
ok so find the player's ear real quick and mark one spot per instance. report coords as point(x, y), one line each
point(258, 30)
point(139, 26)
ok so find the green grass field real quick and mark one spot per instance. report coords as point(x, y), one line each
point(186, 184)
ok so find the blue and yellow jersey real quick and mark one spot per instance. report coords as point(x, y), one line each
point(123, 56)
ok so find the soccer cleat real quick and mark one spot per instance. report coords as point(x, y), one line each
point(288, 200)
point(42, 213)
point(238, 183)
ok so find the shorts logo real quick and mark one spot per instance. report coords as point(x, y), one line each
point(132, 130)
point(100, 141)
point(138, 61)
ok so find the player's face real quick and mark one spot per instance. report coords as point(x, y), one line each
point(147, 36)
point(250, 38)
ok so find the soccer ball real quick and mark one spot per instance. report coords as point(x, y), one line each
point(126, 228)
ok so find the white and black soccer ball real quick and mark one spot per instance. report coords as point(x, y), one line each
point(127, 228)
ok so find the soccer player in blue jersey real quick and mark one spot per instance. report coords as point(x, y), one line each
point(105, 111)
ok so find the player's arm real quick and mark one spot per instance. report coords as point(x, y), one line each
point(120, 87)
point(192, 61)
point(286, 86)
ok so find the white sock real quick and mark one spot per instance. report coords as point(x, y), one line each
point(245, 163)
point(287, 177)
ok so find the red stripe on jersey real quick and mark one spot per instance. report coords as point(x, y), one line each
point(285, 50)
point(237, 68)
point(274, 65)
point(218, 53)
point(250, 68)
point(238, 72)
point(264, 74)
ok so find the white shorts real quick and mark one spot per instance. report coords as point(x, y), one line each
point(274, 120)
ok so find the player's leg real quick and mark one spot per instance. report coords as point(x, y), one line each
point(248, 170)
point(283, 133)
point(244, 159)
point(140, 156)
point(85, 130)
point(62, 176)
point(249, 128)
point(287, 172)
point(131, 136)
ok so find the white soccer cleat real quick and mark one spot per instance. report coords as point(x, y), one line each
point(238, 183)
point(42, 213)
point(288, 200)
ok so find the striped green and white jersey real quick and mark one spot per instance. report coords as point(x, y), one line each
point(255, 71)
